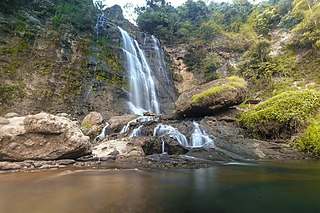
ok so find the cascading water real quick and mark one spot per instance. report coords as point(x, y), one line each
point(160, 62)
point(140, 119)
point(199, 138)
point(100, 22)
point(143, 95)
point(142, 91)
point(163, 130)
point(103, 133)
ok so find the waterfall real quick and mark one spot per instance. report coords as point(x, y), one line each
point(103, 133)
point(160, 62)
point(140, 119)
point(199, 137)
point(100, 22)
point(163, 130)
point(142, 92)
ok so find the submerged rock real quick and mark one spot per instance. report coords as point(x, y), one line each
point(42, 136)
point(211, 97)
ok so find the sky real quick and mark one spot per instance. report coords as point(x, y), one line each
point(109, 3)
point(174, 3)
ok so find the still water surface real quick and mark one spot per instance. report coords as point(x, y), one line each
point(227, 187)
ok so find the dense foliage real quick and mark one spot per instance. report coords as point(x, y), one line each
point(309, 141)
point(215, 31)
point(281, 115)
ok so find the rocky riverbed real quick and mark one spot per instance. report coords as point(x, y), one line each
point(45, 141)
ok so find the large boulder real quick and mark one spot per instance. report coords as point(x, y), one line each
point(42, 136)
point(121, 147)
point(92, 124)
point(211, 97)
point(155, 145)
point(118, 122)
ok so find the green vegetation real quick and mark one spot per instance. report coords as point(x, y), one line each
point(77, 13)
point(9, 93)
point(282, 115)
point(231, 83)
point(309, 140)
point(215, 32)
point(86, 124)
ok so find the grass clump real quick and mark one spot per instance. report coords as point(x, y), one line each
point(282, 115)
point(309, 140)
point(233, 82)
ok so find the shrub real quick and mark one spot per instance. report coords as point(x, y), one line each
point(282, 115)
point(309, 140)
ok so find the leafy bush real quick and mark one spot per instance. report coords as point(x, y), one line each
point(281, 115)
point(77, 13)
point(309, 140)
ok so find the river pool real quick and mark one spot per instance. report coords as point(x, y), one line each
point(292, 186)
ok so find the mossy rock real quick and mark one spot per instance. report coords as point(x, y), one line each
point(309, 140)
point(282, 115)
point(211, 97)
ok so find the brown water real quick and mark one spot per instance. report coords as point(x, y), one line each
point(254, 187)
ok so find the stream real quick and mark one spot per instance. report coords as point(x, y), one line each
point(286, 186)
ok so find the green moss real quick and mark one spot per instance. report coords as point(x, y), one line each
point(46, 67)
point(9, 93)
point(85, 124)
point(232, 82)
point(44, 94)
point(309, 140)
point(281, 115)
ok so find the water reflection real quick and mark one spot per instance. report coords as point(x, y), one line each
point(264, 187)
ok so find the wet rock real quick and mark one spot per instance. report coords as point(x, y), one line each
point(161, 158)
point(42, 136)
point(92, 124)
point(49, 166)
point(118, 122)
point(38, 164)
point(231, 143)
point(153, 145)
point(211, 97)
point(9, 166)
point(65, 162)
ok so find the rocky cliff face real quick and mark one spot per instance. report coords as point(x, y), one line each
point(50, 65)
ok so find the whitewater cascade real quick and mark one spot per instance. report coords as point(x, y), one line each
point(160, 62)
point(142, 92)
point(100, 22)
point(198, 138)
point(163, 130)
